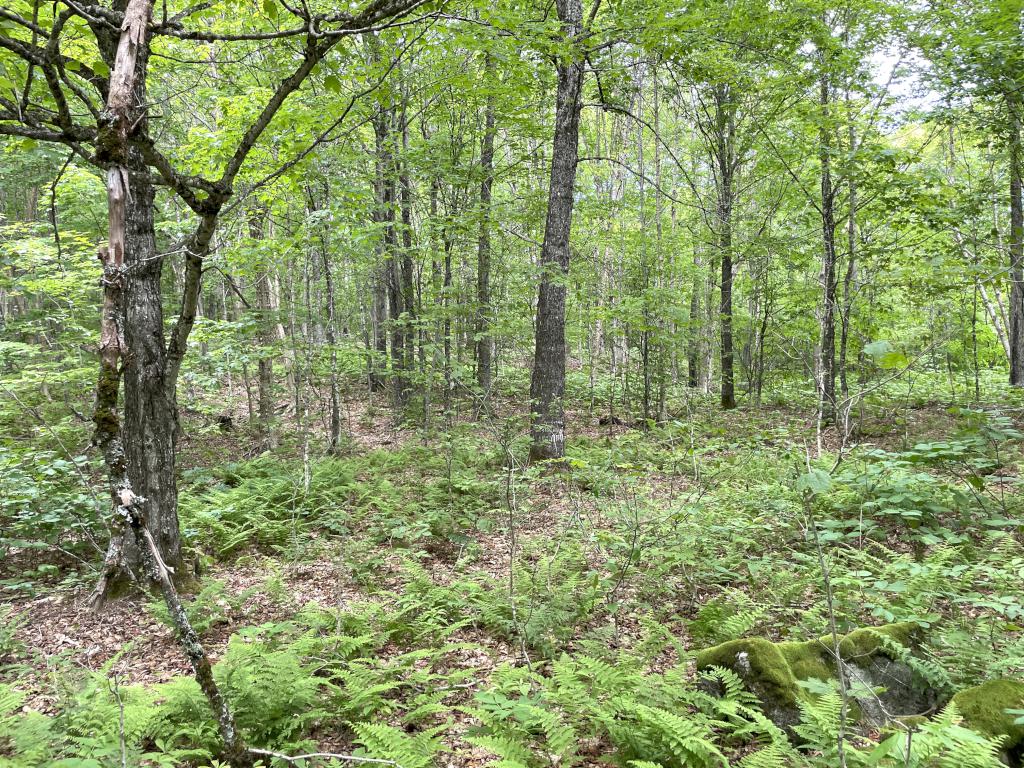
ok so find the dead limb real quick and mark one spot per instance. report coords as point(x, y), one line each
point(129, 511)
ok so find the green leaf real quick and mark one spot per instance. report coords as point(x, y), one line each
point(885, 355)
point(815, 482)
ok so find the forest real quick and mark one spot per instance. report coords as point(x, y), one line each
point(413, 383)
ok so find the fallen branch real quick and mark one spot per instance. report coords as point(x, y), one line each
point(294, 759)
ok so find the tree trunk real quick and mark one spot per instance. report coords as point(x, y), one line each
point(378, 356)
point(726, 159)
point(483, 261)
point(547, 384)
point(139, 456)
point(694, 331)
point(849, 280)
point(268, 337)
point(331, 335)
point(827, 344)
point(407, 286)
point(1016, 331)
point(385, 217)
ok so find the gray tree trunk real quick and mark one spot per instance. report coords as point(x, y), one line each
point(140, 453)
point(484, 343)
point(827, 344)
point(725, 156)
point(1016, 330)
point(547, 384)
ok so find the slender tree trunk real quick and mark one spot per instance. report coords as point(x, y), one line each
point(331, 337)
point(378, 322)
point(385, 216)
point(484, 343)
point(1016, 330)
point(995, 317)
point(726, 159)
point(850, 278)
point(547, 384)
point(446, 304)
point(693, 333)
point(407, 285)
point(268, 338)
point(827, 345)
point(645, 267)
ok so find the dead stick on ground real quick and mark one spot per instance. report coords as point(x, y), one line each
point(329, 755)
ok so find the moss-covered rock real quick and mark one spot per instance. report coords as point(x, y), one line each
point(871, 641)
point(764, 670)
point(983, 709)
point(873, 658)
point(811, 660)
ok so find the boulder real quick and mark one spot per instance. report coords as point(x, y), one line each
point(984, 709)
point(883, 685)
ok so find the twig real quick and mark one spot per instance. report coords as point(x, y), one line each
point(812, 523)
point(294, 759)
point(115, 688)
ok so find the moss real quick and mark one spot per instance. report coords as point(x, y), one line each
point(776, 667)
point(769, 674)
point(866, 642)
point(984, 706)
point(808, 660)
point(772, 670)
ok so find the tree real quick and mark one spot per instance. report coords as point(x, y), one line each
point(484, 342)
point(141, 452)
point(547, 382)
point(976, 50)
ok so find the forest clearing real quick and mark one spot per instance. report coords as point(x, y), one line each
point(531, 385)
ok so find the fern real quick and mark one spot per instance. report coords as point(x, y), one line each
point(389, 743)
point(511, 753)
point(671, 739)
point(26, 739)
point(940, 743)
point(778, 754)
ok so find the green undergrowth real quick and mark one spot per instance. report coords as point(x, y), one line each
point(533, 617)
point(405, 498)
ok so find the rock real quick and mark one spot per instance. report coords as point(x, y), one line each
point(868, 659)
point(983, 709)
point(765, 672)
point(871, 659)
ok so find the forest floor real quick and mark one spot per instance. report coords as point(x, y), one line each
point(645, 546)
